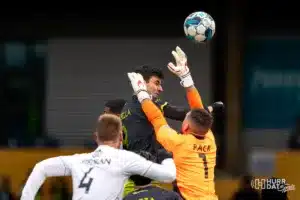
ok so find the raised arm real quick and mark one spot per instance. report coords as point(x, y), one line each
point(154, 114)
point(183, 72)
point(56, 166)
point(193, 97)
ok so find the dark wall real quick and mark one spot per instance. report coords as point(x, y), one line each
point(129, 21)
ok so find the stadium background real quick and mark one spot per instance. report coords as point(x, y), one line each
point(58, 69)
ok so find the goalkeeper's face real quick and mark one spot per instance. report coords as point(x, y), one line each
point(154, 86)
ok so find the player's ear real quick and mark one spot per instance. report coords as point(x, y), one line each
point(95, 136)
point(121, 137)
point(185, 127)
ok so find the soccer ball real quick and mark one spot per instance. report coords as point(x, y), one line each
point(199, 27)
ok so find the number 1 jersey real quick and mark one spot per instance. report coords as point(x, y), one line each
point(195, 161)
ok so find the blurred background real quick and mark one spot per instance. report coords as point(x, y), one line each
point(58, 68)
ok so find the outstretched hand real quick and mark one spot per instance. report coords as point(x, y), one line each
point(138, 85)
point(181, 68)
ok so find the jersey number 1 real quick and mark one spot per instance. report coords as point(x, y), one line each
point(203, 156)
point(88, 184)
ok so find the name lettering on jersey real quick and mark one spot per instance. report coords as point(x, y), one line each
point(125, 114)
point(96, 154)
point(94, 162)
point(202, 148)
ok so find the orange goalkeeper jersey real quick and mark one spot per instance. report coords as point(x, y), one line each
point(195, 158)
point(195, 161)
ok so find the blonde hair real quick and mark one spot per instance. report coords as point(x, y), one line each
point(109, 127)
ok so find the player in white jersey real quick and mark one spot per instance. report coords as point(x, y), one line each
point(102, 173)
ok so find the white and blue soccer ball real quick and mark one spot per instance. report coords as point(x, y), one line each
point(199, 27)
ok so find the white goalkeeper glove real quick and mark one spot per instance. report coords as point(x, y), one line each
point(139, 86)
point(181, 69)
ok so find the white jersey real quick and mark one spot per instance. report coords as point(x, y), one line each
point(100, 174)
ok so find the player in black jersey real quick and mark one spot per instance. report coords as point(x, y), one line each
point(144, 190)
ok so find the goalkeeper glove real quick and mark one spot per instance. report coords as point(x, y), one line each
point(139, 86)
point(181, 69)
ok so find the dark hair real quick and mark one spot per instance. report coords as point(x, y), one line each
point(202, 120)
point(109, 127)
point(147, 72)
point(141, 180)
point(115, 106)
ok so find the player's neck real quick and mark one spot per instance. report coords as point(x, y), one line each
point(110, 143)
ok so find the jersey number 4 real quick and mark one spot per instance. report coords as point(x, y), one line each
point(84, 184)
point(203, 156)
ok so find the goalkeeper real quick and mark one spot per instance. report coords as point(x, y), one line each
point(138, 131)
